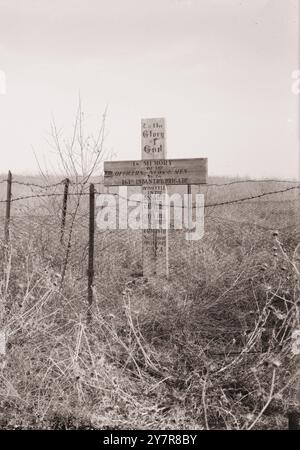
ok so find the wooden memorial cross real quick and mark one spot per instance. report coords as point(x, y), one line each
point(153, 173)
point(154, 241)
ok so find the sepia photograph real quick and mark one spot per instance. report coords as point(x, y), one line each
point(150, 219)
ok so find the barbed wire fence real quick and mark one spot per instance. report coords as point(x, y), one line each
point(57, 221)
point(46, 211)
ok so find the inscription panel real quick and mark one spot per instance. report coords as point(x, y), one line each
point(155, 172)
point(153, 138)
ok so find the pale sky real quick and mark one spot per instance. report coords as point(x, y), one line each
point(219, 71)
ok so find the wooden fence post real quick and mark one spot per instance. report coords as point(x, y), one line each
point(91, 249)
point(293, 421)
point(8, 205)
point(294, 413)
point(64, 209)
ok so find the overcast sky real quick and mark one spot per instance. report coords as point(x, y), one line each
point(219, 71)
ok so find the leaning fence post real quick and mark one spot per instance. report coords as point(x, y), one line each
point(91, 248)
point(64, 209)
point(294, 413)
point(293, 421)
point(8, 204)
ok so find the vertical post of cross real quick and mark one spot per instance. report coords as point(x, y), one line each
point(8, 206)
point(155, 241)
point(190, 206)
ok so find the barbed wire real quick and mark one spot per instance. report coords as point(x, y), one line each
point(221, 203)
point(78, 183)
point(79, 194)
point(251, 181)
point(51, 194)
point(40, 186)
point(251, 197)
point(47, 186)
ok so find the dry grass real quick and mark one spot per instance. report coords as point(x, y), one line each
point(209, 349)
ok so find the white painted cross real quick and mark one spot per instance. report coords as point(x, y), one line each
point(154, 173)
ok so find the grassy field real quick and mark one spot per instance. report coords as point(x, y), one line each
point(208, 349)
